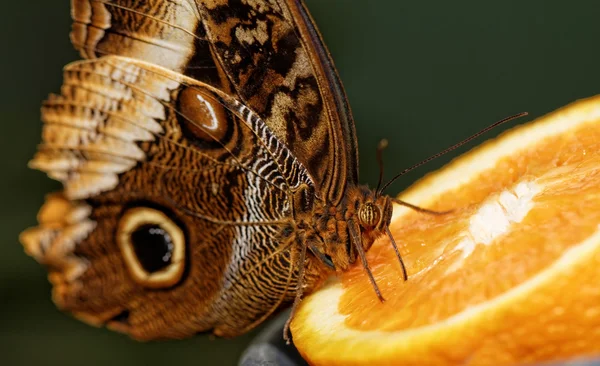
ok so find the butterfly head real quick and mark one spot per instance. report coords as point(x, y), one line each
point(372, 212)
point(365, 217)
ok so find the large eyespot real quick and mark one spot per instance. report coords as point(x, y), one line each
point(153, 247)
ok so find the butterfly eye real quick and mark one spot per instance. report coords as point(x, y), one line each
point(153, 247)
point(369, 215)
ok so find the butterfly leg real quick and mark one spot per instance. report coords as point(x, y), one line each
point(300, 287)
point(389, 234)
point(355, 237)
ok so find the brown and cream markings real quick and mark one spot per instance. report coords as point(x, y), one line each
point(209, 163)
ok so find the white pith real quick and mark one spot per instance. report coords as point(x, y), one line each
point(496, 216)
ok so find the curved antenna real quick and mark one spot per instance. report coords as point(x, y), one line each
point(380, 147)
point(417, 208)
point(435, 156)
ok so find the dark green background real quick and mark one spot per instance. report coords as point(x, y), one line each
point(423, 74)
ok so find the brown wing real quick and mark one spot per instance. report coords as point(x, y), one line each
point(175, 199)
point(268, 53)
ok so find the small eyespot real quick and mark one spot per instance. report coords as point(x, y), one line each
point(153, 247)
point(203, 120)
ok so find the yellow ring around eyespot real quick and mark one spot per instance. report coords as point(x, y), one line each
point(136, 217)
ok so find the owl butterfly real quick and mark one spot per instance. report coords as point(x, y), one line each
point(209, 163)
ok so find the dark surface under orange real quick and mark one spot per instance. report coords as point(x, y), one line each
point(441, 283)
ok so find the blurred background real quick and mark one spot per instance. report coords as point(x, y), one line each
point(423, 74)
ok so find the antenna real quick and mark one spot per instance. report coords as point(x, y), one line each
point(435, 156)
point(380, 147)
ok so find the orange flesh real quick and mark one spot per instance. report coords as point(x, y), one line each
point(441, 282)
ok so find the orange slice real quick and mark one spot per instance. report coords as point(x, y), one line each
point(511, 276)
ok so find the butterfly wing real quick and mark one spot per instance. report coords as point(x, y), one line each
point(175, 200)
point(268, 53)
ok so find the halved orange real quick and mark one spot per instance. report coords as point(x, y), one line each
point(510, 276)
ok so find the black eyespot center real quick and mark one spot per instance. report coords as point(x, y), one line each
point(153, 247)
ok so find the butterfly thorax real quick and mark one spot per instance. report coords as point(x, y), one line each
point(333, 232)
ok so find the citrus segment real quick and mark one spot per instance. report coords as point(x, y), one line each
point(511, 275)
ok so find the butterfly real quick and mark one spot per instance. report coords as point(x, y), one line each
point(209, 162)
